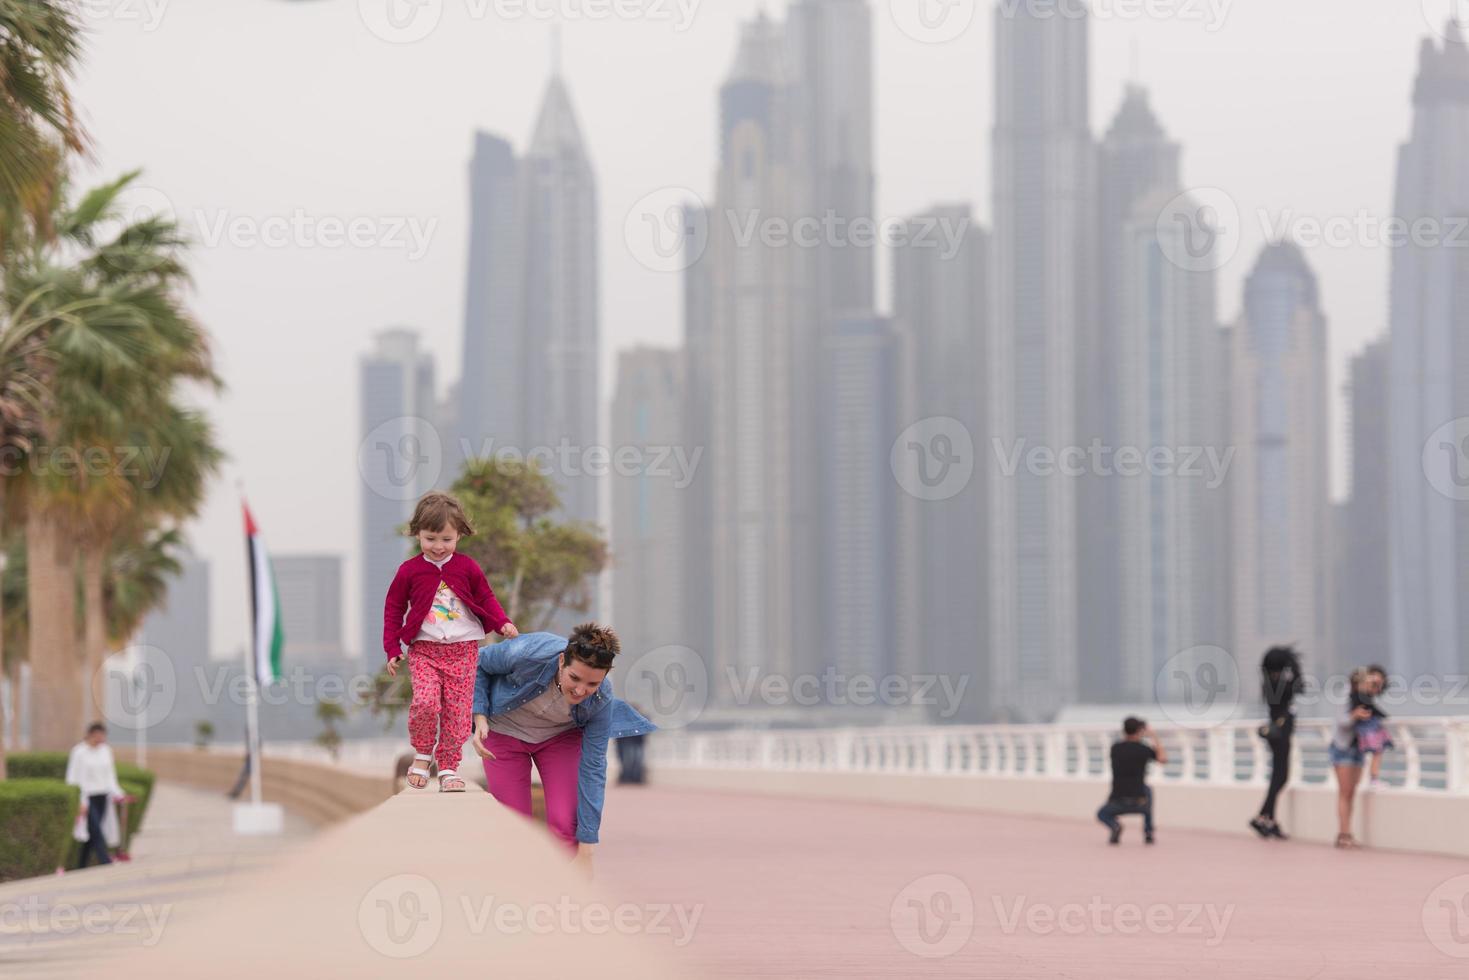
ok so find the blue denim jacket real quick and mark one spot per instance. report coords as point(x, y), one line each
point(512, 672)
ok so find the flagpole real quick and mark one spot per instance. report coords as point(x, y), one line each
point(255, 817)
point(252, 688)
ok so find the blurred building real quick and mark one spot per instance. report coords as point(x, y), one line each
point(1429, 375)
point(648, 502)
point(1045, 232)
point(1136, 161)
point(746, 357)
point(1281, 482)
point(1363, 632)
point(310, 588)
point(699, 372)
point(1169, 574)
point(400, 460)
point(859, 575)
point(531, 337)
point(489, 386)
point(178, 629)
point(941, 317)
point(829, 134)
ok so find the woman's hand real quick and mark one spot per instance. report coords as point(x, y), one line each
point(393, 666)
point(481, 729)
point(1361, 713)
point(509, 631)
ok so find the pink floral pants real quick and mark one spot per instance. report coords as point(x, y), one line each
point(443, 699)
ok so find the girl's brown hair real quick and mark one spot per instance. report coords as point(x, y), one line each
point(436, 511)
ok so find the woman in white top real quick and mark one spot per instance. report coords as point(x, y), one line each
point(92, 769)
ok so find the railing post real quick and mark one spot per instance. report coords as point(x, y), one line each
point(1055, 767)
point(842, 750)
point(938, 756)
point(767, 752)
point(1456, 757)
point(1221, 755)
point(1413, 757)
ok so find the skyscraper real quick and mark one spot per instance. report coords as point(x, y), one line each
point(179, 629)
point(1364, 597)
point(860, 509)
point(558, 389)
point(1136, 161)
point(489, 387)
point(754, 296)
point(1429, 375)
point(1163, 356)
point(1281, 489)
point(310, 588)
point(830, 137)
point(1045, 234)
point(941, 316)
point(647, 506)
point(399, 461)
point(699, 372)
point(531, 339)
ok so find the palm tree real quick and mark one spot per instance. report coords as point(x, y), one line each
point(120, 339)
point(40, 45)
point(170, 493)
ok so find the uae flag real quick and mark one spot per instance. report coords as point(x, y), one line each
point(266, 634)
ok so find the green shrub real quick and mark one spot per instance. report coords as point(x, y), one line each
point(37, 765)
point(52, 765)
point(36, 817)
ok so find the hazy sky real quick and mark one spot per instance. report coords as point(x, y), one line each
point(262, 121)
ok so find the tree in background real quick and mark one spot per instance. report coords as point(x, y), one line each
point(538, 566)
point(117, 456)
point(329, 713)
point(40, 46)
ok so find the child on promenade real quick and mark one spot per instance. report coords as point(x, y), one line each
point(438, 609)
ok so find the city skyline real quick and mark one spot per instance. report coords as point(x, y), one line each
point(894, 184)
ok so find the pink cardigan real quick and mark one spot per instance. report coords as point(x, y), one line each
point(416, 584)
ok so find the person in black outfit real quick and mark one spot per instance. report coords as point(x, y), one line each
point(1130, 792)
point(1281, 680)
point(630, 761)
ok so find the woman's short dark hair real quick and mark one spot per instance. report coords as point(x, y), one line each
point(96, 727)
point(594, 645)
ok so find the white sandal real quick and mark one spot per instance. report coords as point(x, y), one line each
point(417, 770)
point(447, 776)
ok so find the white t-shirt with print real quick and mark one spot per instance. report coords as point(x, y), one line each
point(448, 620)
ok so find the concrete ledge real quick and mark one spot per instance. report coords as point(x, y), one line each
point(1432, 823)
point(426, 884)
point(322, 794)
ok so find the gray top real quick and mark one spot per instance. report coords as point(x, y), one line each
point(544, 716)
point(1344, 733)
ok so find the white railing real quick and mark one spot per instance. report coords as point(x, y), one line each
point(1431, 754)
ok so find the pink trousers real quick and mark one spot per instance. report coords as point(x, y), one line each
point(443, 699)
point(557, 759)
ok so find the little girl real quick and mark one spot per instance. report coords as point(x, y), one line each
point(437, 607)
point(1372, 734)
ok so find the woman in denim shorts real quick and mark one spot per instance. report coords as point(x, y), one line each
point(1346, 760)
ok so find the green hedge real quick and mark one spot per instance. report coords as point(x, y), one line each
point(36, 817)
point(52, 765)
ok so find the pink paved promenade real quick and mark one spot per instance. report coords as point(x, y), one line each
point(702, 884)
point(809, 889)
